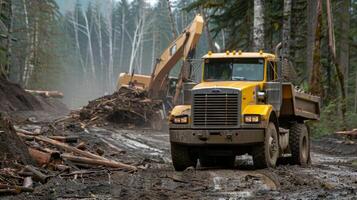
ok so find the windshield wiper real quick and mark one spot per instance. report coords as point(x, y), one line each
point(238, 78)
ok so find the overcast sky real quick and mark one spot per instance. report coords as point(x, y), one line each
point(66, 5)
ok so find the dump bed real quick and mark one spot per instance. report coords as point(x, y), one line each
point(299, 104)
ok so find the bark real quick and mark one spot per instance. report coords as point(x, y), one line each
point(258, 26)
point(40, 157)
point(286, 29)
point(311, 31)
point(332, 50)
point(315, 79)
point(344, 43)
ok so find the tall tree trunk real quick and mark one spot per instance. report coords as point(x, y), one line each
point(100, 42)
point(332, 50)
point(122, 38)
point(25, 73)
point(286, 29)
point(356, 93)
point(90, 49)
point(311, 31)
point(78, 47)
point(110, 42)
point(315, 79)
point(344, 43)
point(9, 40)
point(172, 21)
point(207, 31)
point(258, 26)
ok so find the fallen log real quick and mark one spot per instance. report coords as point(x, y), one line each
point(37, 175)
point(68, 139)
point(19, 130)
point(81, 146)
point(26, 137)
point(352, 132)
point(54, 94)
point(107, 163)
point(40, 157)
point(69, 148)
point(28, 183)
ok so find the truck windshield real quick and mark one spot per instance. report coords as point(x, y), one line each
point(242, 69)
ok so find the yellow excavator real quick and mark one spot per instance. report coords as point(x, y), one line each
point(159, 83)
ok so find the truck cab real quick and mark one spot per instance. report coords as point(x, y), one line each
point(241, 106)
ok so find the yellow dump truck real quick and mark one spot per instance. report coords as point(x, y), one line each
point(242, 106)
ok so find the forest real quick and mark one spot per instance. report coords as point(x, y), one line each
point(178, 99)
point(82, 49)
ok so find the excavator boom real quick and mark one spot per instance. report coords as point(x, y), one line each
point(180, 48)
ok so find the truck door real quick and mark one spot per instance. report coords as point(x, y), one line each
point(273, 87)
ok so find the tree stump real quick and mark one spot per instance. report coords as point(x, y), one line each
point(12, 148)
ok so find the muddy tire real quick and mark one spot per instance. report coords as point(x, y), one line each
point(266, 155)
point(181, 158)
point(299, 143)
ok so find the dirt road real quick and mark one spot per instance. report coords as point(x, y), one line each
point(330, 177)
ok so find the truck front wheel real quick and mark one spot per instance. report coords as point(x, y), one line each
point(181, 158)
point(299, 142)
point(267, 154)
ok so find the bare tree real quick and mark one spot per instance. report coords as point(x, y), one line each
point(315, 79)
point(110, 43)
point(172, 21)
point(90, 49)
point(332, 50)
point(258, 25)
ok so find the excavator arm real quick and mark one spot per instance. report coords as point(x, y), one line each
point(178, 49)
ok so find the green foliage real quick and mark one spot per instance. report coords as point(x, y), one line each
point(330, 121)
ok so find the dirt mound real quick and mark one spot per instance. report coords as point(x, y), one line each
point(14, 98)
point(12, 148)
point(22, 105)
point(127, 107)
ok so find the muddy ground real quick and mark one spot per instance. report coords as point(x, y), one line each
point(332, 175)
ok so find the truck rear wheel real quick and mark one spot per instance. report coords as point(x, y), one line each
point(267, 154)
point(299, 142)
point(181, 158)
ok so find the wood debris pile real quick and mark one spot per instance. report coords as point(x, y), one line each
point(126, 107)
point(51, 156)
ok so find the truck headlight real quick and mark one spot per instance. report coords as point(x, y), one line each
point(180, 119)
point(251, 119)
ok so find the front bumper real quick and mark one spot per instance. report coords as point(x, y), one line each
point(217, 137)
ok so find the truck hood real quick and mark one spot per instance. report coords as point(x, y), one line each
point(227, 84)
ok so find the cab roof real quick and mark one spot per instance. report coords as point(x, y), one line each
point(239, 55)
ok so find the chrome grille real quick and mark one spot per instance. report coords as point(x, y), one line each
point(218, 110)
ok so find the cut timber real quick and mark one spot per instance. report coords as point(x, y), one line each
point(107, 163)
point(28, 183)
point(37, 175)
point(68, 139)
point(68, 148)
point(54, 94)
point(348, 133)
point(19, 130)
point(40, 157)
